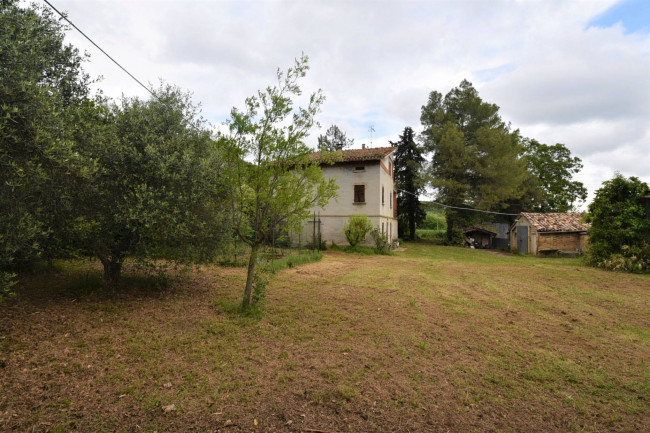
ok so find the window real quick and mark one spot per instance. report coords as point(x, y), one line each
point(391, 201)
point(359, 193)
point(394, 204)
point(360, 168)
point(390, 168)
point(382, 195)
point(382, 228)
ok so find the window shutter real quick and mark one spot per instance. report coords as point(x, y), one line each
point(359, 193)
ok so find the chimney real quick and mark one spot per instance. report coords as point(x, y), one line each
point(363, 145)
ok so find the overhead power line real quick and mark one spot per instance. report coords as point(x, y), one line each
point(462, 208)
point(100, 48)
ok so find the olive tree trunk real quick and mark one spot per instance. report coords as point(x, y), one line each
point(112, 267)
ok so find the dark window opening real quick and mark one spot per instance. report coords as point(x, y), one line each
point(362, 168)
point(359, 193)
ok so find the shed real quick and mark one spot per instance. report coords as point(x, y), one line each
point(544, 233)
point(479, 237)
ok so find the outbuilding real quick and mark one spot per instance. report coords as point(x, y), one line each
point(547, 233)
point(479, 237)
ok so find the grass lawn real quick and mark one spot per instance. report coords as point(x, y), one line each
point(432, 339)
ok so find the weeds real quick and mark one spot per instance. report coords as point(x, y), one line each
point(293, 261)
point(346, 393)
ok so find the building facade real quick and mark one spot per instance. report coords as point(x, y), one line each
point(365, 178)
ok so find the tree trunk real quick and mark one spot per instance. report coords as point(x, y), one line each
point(450, 229)
point(248, 291)
point(112, 269)
point(412, 224)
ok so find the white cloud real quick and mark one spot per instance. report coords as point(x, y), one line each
point(377, 61)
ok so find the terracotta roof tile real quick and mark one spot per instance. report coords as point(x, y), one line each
point(557, 222)
point(367, 154)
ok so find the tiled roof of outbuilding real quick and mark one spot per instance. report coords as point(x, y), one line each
point(350, 155)
point(557, 222)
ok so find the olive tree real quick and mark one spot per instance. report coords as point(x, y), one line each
point(42, 86)
point(156, 191)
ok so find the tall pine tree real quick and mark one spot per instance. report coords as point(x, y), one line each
point(408, 170)
point(476, 159)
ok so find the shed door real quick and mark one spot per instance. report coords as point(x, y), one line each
point(522, 239)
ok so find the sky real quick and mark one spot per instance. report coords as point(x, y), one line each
point(562, 71)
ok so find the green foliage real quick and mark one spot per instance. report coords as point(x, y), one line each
point(292, 261)
point(630, 259)
point(476, 158)
point(41, 87)
point(7, 281)
point(380, 239)
point(431, 234)
point(273, 182)
point(356, 229)
point(409, 182)
point(260, 283)
point(619, 237)
point(479, 162)
point(156, 190)
point(434, 221)
point(553, 168)
point(334, 139)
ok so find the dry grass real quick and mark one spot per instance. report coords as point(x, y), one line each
point(431, 339)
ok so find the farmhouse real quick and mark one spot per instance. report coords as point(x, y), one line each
point(539, 233)
point(366, 186)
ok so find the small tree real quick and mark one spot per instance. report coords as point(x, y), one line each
point(620, 227)
point(334, 139)
point(273, 182)
point(356, 229)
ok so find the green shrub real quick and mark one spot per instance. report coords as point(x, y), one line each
point(381, 240)
point(356, 229)
point(619, 226)
point(630, 259)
